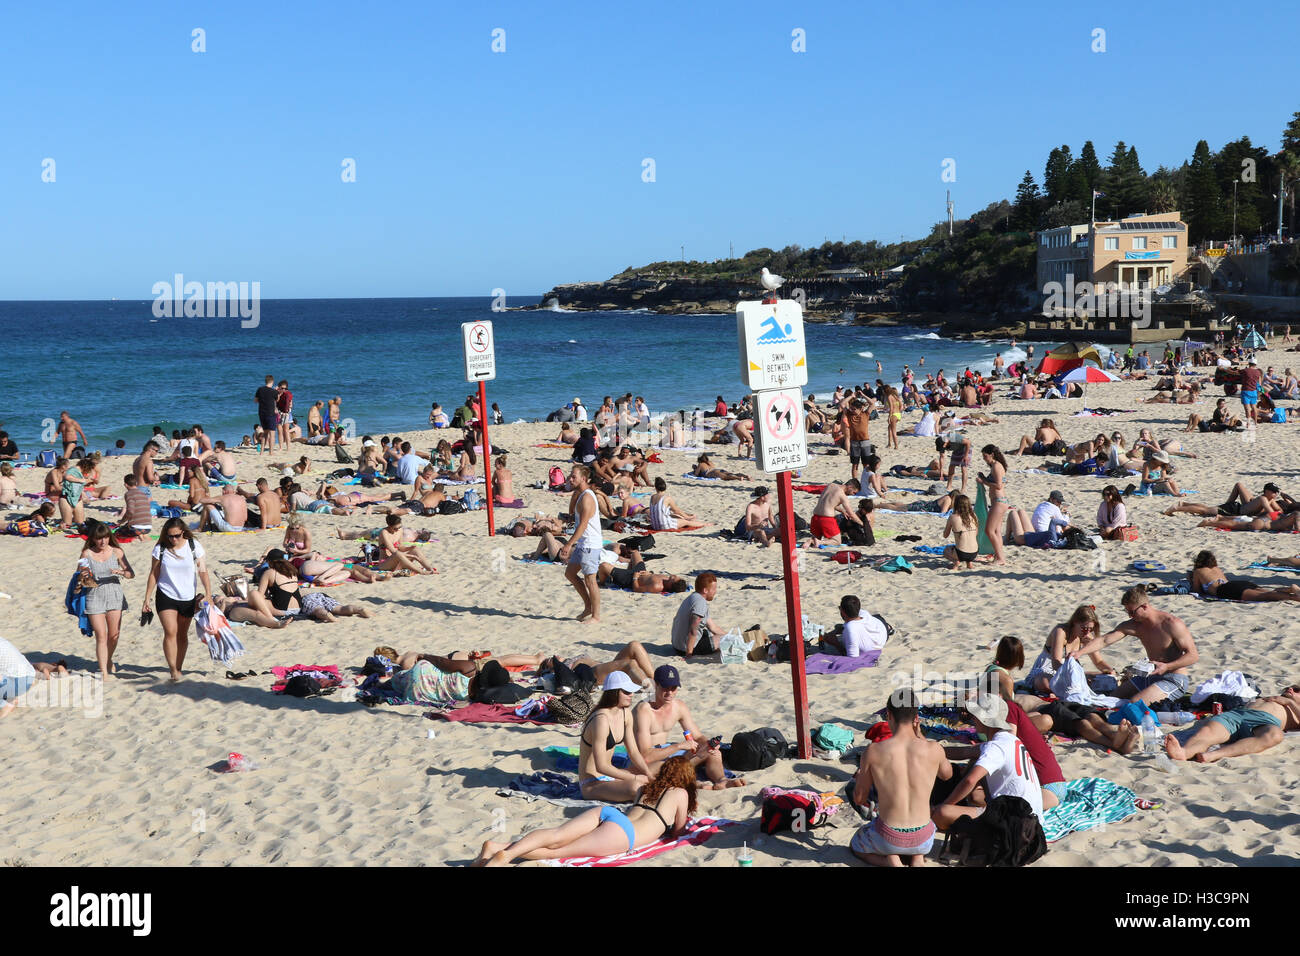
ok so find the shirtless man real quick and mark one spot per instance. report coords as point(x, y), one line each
point(69, 430)
point(315, 426)
point(1168, 644)
point(223, 459)
point(903, 770)
point(834, 500)
point(1240, 502)
point(1045, 436)
point(858, 418)
point(143, 468)
point(229, 512)
point(205, 443)
point(743, 429)
point(269, 505)
point(1247, 730)
point(759, 523)
point(654, 719)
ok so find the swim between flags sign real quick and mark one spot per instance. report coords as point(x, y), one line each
point(772, 351)
point(780, 440)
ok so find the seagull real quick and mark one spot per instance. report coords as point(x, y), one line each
point(770, 282)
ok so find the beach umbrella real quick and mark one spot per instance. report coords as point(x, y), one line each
point(1068, 356)
point(1254, 340)
point(1088, 373)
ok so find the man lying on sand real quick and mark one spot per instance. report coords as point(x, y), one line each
point(1247, 730)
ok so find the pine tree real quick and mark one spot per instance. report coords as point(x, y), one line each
point(1024, 217)
point(1204, 212)
point(1134, 190)
point(1291, 135)
point(1112, 183)
point(1091, 168)
point(1056, 174)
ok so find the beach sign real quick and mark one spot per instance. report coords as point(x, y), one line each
point(772, 351)
point(480, 351)
point(780, 440)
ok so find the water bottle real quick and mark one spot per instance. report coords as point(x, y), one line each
point(1179, 717)
point(1150, 735)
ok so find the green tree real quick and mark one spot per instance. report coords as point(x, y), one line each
point(1092, 170)
point(1204, 212)
point(1056, 174)
point(1291, 135)
point(1160, 187)
point(1024, 216)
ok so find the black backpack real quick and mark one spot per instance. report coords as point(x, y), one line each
point(340, 455)
point(1007, 833)
point(756, 749)
point(495, 687)
point(450, 506)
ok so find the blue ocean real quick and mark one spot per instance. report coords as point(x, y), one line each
point(119, 370)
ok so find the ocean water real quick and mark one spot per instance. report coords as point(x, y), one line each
point(119, 370)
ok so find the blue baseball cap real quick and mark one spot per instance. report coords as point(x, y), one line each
point(666, 676)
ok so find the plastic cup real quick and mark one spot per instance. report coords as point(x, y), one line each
point(431, 733)
point(746, 855)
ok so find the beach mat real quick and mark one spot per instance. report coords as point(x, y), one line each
point(836, 664)
point(487, 714)
point(697, 831)
point(1089, 802)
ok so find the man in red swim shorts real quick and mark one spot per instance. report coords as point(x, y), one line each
point(834, 500)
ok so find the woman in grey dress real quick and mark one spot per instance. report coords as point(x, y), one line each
point(102, 566)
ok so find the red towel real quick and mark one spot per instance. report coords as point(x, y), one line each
point(486, 714)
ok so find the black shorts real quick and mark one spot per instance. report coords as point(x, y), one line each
point(1230, 511)
point(1066, 716)
point(188, 608)
point(860, 451)
point(1233, 590)
point(967, 556)
point(702, 646)
point(414, 507)
point(269, 422)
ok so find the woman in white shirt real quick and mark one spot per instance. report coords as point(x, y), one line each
point(177, 569)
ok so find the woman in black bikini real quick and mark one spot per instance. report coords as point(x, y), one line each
point(279, 585)
point(597, 775)
point(666, 806)
point(1208, 579)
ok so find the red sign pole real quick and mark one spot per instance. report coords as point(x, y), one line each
point(793, 613)
point(483, 416)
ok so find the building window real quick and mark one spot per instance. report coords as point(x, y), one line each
point(1043, 238)
point(1170, 242)
point(1139, 242)
point(1112, 243)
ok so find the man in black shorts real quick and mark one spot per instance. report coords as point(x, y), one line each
point(267, 413)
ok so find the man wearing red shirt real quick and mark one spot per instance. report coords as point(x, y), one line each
point(1250, 391)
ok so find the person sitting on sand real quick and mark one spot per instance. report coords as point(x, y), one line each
point(1045, 441)
point(278, 585)
point(1167, 642)
point(503, 484)
point(758, 523)
point(8, 487)
point(1220, 421)
point(902, 770)
point(665, 515)
point(1062, 640)
point(1020, 531)
point(316, 568)
point(833, 501)
point(704, 469)
point(567, 435)
point(693, 632)
point(1112, 516)
point(1252, 729)
point(963, 526)
point(857, 634)
point(654, 719)
point(608, 726)
point(1208, 579)
point(397, 554)
point(1158, 476)
point(666, 805)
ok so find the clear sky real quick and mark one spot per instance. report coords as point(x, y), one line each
point(522, 169)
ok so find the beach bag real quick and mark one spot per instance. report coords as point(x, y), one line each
point(1129, 533)
point(1076, 539)
point(302, 685)
point(46, 458)
point(780, 653)
point(756, 749)
point(470, 500)
point(27, 528)
point(572, 708)
point(235, 588)
point(640, 543)
point(1007, 833)
point(494, 686)
point(341, 455)
point(556, 477)
point(833, 737)
point(795, 810)
point(757, 637)
point(450, 506)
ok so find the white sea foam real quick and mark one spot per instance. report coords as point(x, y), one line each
point(923, 335)
point(867, 354)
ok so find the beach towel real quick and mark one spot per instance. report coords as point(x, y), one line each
point(811, 489)
point(935, 549)
point(327, 674)
point(836, 664)
point(1264, 566)
point(557, 788)
point(215, 633)
point(698, 478)
point(1089, 802)
point(486, 714)
point(697, 831)
point(982, 517)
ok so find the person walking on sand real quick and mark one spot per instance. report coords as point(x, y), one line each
point(100, 568)
point(902, 770)
point(283, 412)
point(582, 551)
point(69, 432)
point(177, 570)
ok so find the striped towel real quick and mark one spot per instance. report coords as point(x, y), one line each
point(1089, 802)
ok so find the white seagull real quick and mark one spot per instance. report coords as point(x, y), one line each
point(770, 282)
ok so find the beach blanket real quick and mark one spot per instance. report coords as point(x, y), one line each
point(697, 831)
point(1264, 566)
point(551, 444)
point(811, 489)
point(557, 788)
point(935, 549)
point(836, 664)
point(1089, 802)
point(698, 478)
point(487, 714)
point(1139, 493)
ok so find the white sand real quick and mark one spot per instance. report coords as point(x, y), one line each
point(342, 784)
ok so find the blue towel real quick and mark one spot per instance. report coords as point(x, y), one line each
point(76, 606)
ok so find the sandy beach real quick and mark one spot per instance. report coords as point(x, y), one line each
point(342, 784)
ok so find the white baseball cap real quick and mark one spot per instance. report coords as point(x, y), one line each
point(619, 680)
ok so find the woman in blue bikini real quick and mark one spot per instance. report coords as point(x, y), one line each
point(665, 807)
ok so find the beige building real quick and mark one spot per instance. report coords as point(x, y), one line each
point(1146, 250)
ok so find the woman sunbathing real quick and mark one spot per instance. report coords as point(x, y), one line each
point(1209, 580)
point(278, 585)
point(632, 660)
point(704, 469)
point(666, 806)
point(1287, 522)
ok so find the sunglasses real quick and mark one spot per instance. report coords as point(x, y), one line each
point(176, 536)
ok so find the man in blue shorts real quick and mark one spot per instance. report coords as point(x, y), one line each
point(1247, 730)
point(1250, 381)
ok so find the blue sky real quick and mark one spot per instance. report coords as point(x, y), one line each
point(522, 169)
